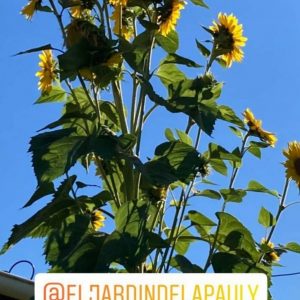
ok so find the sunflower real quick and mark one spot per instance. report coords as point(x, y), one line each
point(271, 255)
point(126, 30)
point(97, 220)
point(30, 8)
point(255, 128)
point(228, 38)
point(292, 164)
point(168, 16)
point(48, 71)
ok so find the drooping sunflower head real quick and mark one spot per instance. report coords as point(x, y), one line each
point(228, 38)
point(97, 220)
point(292, 163)
point(48, 71)
point(29, 9)
point(255, 128)
point(271, 255)
point(168, 15)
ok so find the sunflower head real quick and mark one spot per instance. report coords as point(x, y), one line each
point(271, 255)
point(168, 15)
point(97, 220)
point(29, 10)
point(292, 163)
point(48, 71)
point(228, 38)
point(255, 128)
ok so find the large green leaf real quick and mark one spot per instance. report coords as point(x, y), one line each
point(169, 73)
point(196, 98)
point(173, 161)
point(49, 217)
point(169, 43)
point(292, 246)
point(57, 94)
point(231, 263)
point(246, 247)
point(135, 53)
point(46, 188)
point(55, 152)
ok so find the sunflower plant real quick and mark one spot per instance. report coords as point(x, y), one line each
point(142, 218)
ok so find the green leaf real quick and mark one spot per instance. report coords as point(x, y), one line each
point(57, 94)
point(217, 151)
point(255, 186)
point(54, 153)
point(205, 52)
point(292, 246)
point(236, 131)
point(200, 3)
point(254, 151)
point(134, 218)
point(136, 52)
point(226, 113)
point(246, 246)
point(209, 194)
point(231, 263)
point(169, 73)
point(169, 43)
point(38, 49)
point(184, 241)
point(45, 189)
point(182, 264)
point(169, 135)
point(199, 219)
point(183, 137)
point(233, 195)
point(219, 166)
point(173, 161)
point(266, 218)
point(49, 217)
point(174, 58)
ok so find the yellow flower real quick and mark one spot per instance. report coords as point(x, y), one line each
point(292, 164)
point(255, 128)
point(272, 255)
point(47, 74)
point(228, 38)
point(30, 8)
point(125, 30)
point(168, 16)
point(97, 220)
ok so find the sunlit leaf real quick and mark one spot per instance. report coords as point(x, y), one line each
point(266, 218)
point(255, 186)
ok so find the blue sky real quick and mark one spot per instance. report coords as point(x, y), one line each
point(267, 81)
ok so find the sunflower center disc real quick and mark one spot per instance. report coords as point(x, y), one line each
point(297, 166)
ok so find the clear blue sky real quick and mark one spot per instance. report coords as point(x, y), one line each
point(267, 81)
